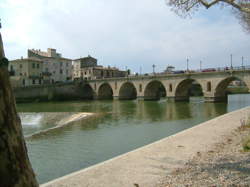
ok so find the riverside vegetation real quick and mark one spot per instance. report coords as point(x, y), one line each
point(246, 139)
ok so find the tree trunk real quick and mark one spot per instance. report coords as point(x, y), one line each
point(15, 167)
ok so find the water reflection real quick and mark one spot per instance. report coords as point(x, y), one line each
point(121, 127)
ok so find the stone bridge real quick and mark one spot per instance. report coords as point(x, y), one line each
point(173, 86)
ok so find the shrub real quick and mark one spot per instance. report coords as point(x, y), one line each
point(246, 143)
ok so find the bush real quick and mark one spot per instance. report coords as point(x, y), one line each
point(246, 143)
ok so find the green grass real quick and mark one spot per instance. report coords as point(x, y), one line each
point(246, 143)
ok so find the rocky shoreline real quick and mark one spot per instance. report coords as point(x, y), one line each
point(225, 164)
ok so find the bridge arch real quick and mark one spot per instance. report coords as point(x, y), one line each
point(154, 90)
point(88, 92)
point(105, 91)
point(127, 91)
point(221, 87)
point(184, 89)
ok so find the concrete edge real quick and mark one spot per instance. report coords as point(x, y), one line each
point(141, 148)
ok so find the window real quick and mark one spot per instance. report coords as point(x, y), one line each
point(67, 72)
point(170, 87)
point(21, 74)
point(33, 65)
point(33, 81)
point(47, 69)
point(40, 81)
point(140, 88)
point(23, 82)
point(67, 64)
point(20, 65)
point(61, 63)
point(37, 66)
point(85, 73)
point(61, 71)
point(209, 86)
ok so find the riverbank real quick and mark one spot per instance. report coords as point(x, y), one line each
point(225, 164)
point(150, 164)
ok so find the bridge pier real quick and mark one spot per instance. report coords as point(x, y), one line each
point(115, 97)
point(140, 98)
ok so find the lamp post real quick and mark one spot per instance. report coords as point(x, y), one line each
point(153, 68)
point(242, 62)
point(140, 70)
point(231, 59)
point(187, 64)
point(200, 65)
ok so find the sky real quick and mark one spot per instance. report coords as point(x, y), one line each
point(133, 34)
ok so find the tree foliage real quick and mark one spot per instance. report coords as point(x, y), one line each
point(241, 8)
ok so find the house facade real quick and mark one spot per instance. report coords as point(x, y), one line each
point(26, 72)
point(55, 67)
point(87, 69)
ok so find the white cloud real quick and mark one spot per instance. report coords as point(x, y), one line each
point(123, 33)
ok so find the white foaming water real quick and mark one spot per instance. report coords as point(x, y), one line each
point(31, 119)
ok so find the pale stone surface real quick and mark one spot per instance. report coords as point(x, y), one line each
point(147, 165)
point(213, 84)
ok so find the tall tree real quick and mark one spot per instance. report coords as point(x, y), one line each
point(15, 167)
point(241, 8)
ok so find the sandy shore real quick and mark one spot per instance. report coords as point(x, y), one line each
point(149, 165)
point(225, 164)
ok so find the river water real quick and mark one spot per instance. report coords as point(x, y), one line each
point(121, 127)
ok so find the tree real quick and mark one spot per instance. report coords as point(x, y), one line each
point(244, 18)
point(15, 167)
point(241, 8)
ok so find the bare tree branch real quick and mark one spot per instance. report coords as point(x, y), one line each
point(241, 8)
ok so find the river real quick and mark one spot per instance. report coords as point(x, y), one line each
point(121, 127)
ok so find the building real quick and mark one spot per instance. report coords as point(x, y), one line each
point(26, 72)
point(87, 69)
point(169, 69)
point(55, 67)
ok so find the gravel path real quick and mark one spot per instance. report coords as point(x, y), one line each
point(224, 165)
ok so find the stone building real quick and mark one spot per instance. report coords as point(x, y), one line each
point(55, 67)
point(87, 69)
point(26, 72)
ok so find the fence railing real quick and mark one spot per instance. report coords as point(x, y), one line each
point(204, 70)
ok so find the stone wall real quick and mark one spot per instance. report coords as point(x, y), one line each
point(50, 93)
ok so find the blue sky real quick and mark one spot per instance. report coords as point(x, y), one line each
point(132, 33)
